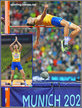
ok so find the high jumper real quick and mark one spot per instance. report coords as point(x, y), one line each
point(51, 20)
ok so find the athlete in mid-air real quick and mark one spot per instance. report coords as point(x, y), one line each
point(50, 20)
point(16, 52)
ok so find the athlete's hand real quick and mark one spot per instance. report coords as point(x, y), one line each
point(36, 44)
point(46, 5)
point(16, 38)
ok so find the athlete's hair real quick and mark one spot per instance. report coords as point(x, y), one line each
point(29, 22)
point(15, 45)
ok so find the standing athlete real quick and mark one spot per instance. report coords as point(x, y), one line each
point(16, 52)
point(50, 20)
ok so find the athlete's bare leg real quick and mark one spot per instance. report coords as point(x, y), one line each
point(65, 24)
point(23, 76)
point(76, 30)
point(12, 76)
point(74, 33)
point(66, 27)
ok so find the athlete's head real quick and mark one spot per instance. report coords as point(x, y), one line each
point(31, 21)
point(15, 47)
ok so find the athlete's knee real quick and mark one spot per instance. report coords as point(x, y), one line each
point(67, 24)
point(78, 29)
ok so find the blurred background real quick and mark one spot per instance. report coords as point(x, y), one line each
point(48, 56)
point(6, 56)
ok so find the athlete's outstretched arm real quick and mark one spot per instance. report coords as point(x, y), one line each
point(38, 20)
point(11, 46)
point(38, 34)
point(37, 38)
point(20, 46)
point(44, 12)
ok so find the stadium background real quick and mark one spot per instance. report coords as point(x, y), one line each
point(48, 55)
point(62, 89)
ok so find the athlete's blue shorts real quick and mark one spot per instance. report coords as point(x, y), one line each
point(16, 65)
point(56, 21)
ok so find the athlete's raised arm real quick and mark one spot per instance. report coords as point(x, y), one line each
point(11, 46)
point(38, 34)
point(20, 46)
point(37, 39)
point(42, 15)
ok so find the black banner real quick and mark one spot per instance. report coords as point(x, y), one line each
point(22, 38)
